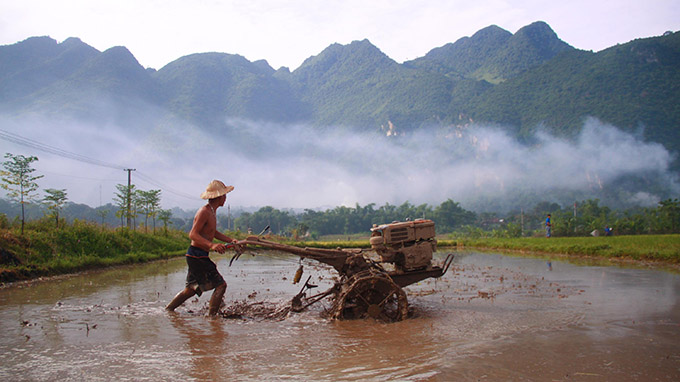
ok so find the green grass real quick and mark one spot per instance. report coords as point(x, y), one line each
point(664, 248)
point(44, 250)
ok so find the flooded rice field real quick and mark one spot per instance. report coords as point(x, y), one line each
point(490, 318)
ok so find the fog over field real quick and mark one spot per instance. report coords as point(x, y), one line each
point(297, 166)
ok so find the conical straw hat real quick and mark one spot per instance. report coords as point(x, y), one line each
point(216, 189)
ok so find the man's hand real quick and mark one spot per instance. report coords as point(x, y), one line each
point(218, 247)
point(238, 247)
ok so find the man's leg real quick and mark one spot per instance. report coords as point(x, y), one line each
point(180, 298)
point(216, 299)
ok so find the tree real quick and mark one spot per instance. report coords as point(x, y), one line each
point(165, 216)
point(135, 206)
point(149, 202)
point(154, 205)
point(102, 212)
point(18, 180)
point(300, 231)
point(669, 211)
point(450, 215)
point(55, 200)
point(279, 221)
point(123, 199)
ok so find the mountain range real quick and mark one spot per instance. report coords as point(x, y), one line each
point(522, 82)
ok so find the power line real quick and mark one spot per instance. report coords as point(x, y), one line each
point(164, 187)
point(80, 177)
point(54, 150)
point(81, 158)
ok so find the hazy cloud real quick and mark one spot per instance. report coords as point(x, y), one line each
point(302, 167)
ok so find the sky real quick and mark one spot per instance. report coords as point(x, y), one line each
point(286, 32)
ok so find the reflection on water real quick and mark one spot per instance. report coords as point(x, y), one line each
point(492, 317)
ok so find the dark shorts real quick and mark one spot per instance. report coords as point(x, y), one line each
point(202, 275)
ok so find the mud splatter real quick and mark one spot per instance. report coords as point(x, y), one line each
point(261, 310)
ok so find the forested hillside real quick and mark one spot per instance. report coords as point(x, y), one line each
point(208, 87)
point(494, 54)
point(519, 81)
point(631, 86)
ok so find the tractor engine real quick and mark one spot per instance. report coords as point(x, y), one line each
point(408, 245)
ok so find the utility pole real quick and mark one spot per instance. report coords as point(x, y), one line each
point(574, 217)
point(129, 198)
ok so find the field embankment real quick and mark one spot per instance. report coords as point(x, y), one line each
point(44, 250)
point(48, 251)
point(656, 248)
point(642, 248)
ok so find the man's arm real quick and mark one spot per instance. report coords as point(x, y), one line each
point(222, 237)
point(200, 220)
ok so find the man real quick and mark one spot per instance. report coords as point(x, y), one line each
point(202, 274)
point(548, 226)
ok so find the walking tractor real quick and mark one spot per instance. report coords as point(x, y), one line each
point(369, 287)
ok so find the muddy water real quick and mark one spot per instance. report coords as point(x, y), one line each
point(493, 317)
